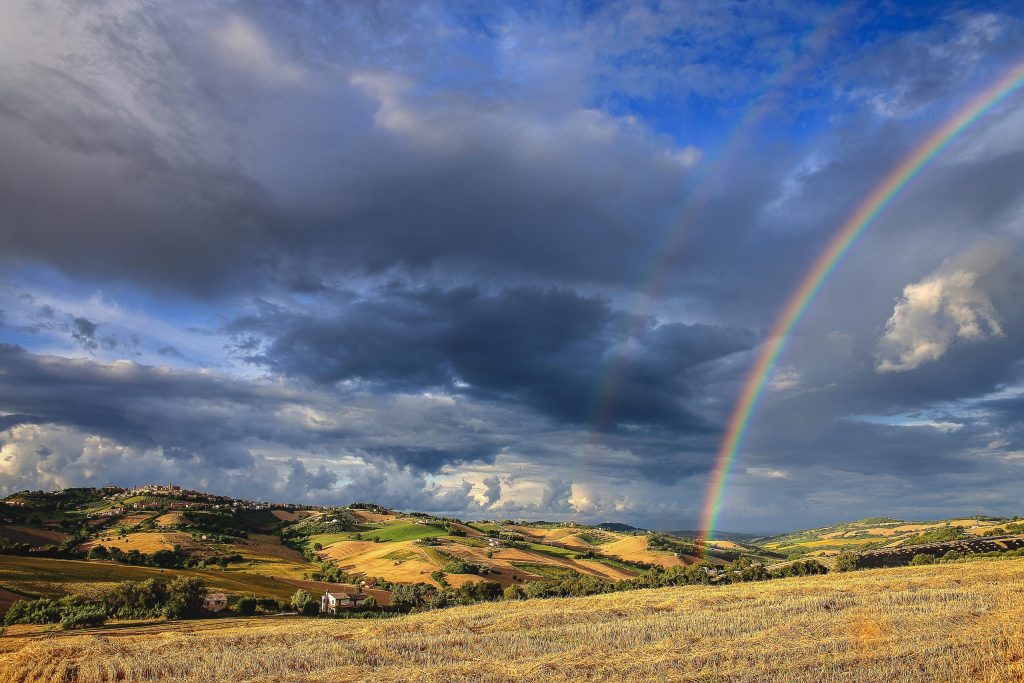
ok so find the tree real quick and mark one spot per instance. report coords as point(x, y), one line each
point(98, 552)
point(513, 592)
point(184, 597)
point(845, 562)
point(922, 559)
point(300, 599)
point(317, 547)
point(952, 556)
point(246, 606)
point(370, 602)
point(163, 558)
point(82, 616)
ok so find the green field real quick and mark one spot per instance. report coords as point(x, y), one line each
point(545, 570)
point(326, 539)
point(614, 562)
point(552, 550)
point(405, 532)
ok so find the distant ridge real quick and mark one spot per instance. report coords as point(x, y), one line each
point(722, 535)
point(618, 526)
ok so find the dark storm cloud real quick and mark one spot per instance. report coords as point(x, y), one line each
point(131, 403)
point(215, 420)
point(300, 156)
point(552, 350)
point(198, 190)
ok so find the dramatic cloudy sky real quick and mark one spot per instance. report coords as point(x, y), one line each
point(510, 261)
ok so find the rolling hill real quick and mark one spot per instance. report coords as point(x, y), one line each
point(879, 533)
point(938, 623)
point(78, 540)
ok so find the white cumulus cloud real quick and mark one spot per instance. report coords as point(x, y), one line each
point(950, 306)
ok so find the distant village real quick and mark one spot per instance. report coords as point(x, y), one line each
point(174, 498)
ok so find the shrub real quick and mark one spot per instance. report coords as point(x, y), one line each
point(922, 559)
point(513, 592)
point(83, 616)
point(952, 556)
point(845, 562)
point(459, 567)
point(136, 599)
point(370, 602)
point(184, 597)
point(300, 599)
point(268, 604)
point(246, 606)
point(303, 603)
point(801, 568)
point(98, 552)
point(42, 611)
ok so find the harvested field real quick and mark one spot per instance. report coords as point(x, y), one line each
point(292, 516)
point(635, 549)
point(147, 541)
point(368, 517)
point(504, 562)
point(34, 537)
point(172, 519)
point(940, 623)
point(380, 560)
point(132, 520)
point(53, 578)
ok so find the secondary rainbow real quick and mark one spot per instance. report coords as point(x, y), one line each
point(702, 189)
point(812, 283)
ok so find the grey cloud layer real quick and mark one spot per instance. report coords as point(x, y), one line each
point(552, 350)
point(434, 227)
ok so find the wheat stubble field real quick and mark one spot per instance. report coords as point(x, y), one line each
point(959, 622)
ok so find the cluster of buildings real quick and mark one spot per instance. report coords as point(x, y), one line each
point(185, 499)
point(331, 602)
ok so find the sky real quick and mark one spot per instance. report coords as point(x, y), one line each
point(511, 260)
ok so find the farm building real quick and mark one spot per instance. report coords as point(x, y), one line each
point(332, 601)
point(215, 602)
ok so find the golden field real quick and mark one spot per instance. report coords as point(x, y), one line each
point(956, 622)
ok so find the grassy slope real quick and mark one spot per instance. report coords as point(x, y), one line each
point(854, 536)
point(54, 578)
point(942, 622)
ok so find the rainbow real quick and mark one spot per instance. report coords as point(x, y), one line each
point(702, 190)
point(813, 281)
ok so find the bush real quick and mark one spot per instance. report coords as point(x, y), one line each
point(42, 611)
point(845, 562)
point(269, 605)
point(513, 592)
point(83, 616)
point(303, 603)
point(459, 567)
point(951, 556)
point(246, 606)
point(922, 559)
point(184, 597)
point(136, 599)
point(370, 602)
point(801, 568)
point(98, 552)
